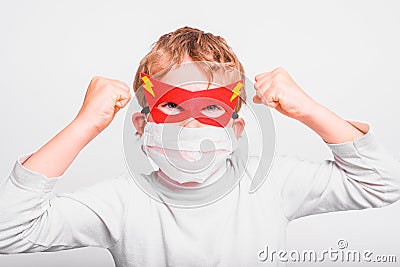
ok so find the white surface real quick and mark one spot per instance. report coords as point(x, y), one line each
point(343, 53)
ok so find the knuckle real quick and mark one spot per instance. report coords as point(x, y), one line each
point(126, 87)
point(258, 76)
point(280, 70)
point(96, 78)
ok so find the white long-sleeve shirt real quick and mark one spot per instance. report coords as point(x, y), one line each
point(140, 231)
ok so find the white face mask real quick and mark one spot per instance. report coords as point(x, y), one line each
point(189, 154)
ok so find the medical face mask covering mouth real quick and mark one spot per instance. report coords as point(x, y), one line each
point(189, 154)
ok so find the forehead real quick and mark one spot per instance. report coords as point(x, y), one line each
point(200, 76)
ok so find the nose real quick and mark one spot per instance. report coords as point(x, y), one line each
point(192, 123)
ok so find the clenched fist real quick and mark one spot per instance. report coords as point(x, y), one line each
point(104, 98)
point(278, 90)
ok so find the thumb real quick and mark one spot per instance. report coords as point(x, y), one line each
point(272, 98)
point(273, 104)
point(257, 99)
point(123, 99)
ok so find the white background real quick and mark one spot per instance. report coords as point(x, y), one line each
point(345, 54)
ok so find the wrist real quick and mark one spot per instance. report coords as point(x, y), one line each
point(84, 127)
point(312, 112)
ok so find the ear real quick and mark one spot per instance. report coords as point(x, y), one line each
point(238, 127)
point(139, 122)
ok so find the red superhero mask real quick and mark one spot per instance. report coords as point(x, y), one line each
point(197, 104)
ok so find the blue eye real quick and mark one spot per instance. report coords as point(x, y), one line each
point(170, 108)
point(171, 105)
point(213, 111)
point(213, 108)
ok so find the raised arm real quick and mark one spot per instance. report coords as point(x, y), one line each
point(362, 175)
point(32, 218)
point(104, 98)
point(278, 90)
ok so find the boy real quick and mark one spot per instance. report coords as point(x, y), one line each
point(139, 231)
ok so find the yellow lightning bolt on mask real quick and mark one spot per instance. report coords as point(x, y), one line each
point(148, 85)
point(236, 91)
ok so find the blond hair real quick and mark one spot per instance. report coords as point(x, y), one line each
point(172, 48)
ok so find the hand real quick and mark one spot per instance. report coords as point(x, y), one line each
point(104, 98)
point(278, 90)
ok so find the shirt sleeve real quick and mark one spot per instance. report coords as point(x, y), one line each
point(361, 175)
point(33, 218)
